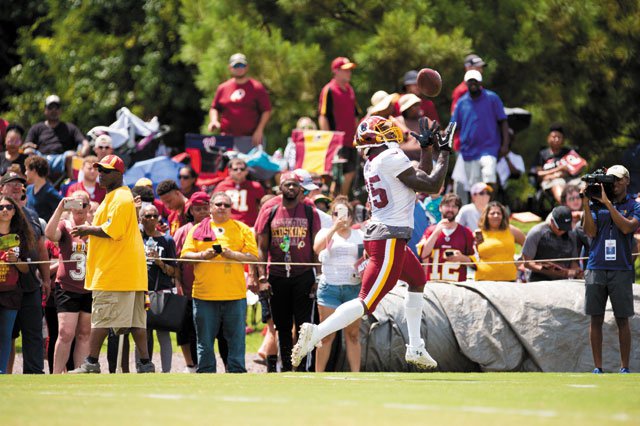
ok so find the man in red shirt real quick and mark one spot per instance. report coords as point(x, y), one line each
point(338, 110)
point(241, 105)
point(175, 202)
point(245, 194)
point(471, 62)
point(89, 182)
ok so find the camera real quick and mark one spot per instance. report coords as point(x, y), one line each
point(597, 178)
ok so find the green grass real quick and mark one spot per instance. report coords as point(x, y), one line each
point(324, 399)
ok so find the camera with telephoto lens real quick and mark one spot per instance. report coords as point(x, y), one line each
point(597, 178)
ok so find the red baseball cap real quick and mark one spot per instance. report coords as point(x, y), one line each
point(111, 162)
point(290, 176)
point(342, 63)
point(199, 198)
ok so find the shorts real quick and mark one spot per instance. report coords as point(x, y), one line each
point(617, 285)
point(482, 170)
point(351, 155)
point(57, 162)
point(188, 328)
point(548, 184)
point(118, 309)
point(334, 295)
point(70, 301)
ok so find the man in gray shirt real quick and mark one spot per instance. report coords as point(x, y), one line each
point(552, 239)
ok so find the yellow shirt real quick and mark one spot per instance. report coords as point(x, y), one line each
point(497, 246)
point(117, 263)
point(215, 280)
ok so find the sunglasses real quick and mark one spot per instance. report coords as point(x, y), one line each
point(483, 193)
point(240, 66)
point(150, 216)
point(239, 169)
point(183, 177)
point(226, 206)
point(574, 198)
point(105, 171)
point(53, 106)
point(7, 207)
point(103, 147)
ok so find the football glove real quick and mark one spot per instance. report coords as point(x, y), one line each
point(427, 136)
point(445, 142)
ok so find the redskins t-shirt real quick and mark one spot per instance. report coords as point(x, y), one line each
point(245, 199)
point(70, 275)
point(439, 269)
point(240, 106)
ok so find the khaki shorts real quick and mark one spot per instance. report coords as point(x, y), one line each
point(118, 309)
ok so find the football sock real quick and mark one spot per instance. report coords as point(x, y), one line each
point(343, 316)
point(413, 312)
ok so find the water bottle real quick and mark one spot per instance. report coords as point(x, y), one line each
point(149, 247)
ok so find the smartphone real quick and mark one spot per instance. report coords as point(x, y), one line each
point(342, 211)
point(73, 204)
point(479, 237)
point(217, 248)
point(449, 253)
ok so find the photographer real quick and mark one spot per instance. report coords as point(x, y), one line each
point(611, 224)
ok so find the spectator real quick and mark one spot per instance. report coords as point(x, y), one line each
point(410, 87)
point(551, 170)
point(408, 121)
point(338, 110)
point(34, 289)
point(41, 195)
point(471, 62)
point(571, 198)
point(484, 132)
point(188, 178)
point(103, 146)
point(160, 275)
point(219, 289)
point(311, 189)
point(552, 239)
point(496, 242)
point(11, 154)
point(446, 244)
point(175, 202)
point(322, 202)
point(89, 181)
point(4, 128)
point(245, 194)
point(73, 302)
point(116, 270)
point(12, 221)
point(241, 105)
point(339, 248)
point(383, 104)
point(611, 223)
point(198, 207)
point(469, 214)
point(55, 139)
point(286, 230)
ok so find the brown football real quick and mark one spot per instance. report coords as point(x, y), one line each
point(429, 82)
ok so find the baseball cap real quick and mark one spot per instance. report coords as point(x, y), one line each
point(12, 176)
point(144, 182)
point(410, 77)
point(322, 197)
point(478, 187)
point(562, 217)
point(305, 179)
point(52, 99)
point(473, 75)
point(289, 176)
point(407, 101)
point(342, 63)
point(474, 61)
point(199, 198)
point(618, 171)
point(238, 58)
point(111, 162)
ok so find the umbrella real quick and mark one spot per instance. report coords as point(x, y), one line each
point(157, 169)
point(518, 118)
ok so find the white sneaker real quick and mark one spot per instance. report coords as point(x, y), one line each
point(418, 356)
point(306, 342)
point(189, 370)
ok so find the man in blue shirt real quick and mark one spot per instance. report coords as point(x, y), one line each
point(610, 270)
point(484, 132)
point(41, 195)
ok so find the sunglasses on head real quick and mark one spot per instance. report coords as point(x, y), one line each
point(226, 205)
point(150, 216)
point(7, 207)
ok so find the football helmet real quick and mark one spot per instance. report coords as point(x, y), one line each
point(376, 131)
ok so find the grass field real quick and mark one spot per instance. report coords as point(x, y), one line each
point(322, 399)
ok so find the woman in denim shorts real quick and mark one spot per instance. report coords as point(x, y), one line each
point(338, 248)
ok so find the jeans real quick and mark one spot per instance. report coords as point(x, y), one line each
point(29, 322)
point(208, 317)
point(7, 318)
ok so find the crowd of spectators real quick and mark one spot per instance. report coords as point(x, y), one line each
point(242, 234)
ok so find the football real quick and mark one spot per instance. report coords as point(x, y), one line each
point(429, 82)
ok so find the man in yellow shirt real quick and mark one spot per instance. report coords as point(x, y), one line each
point(116, 268)
point(219, 288)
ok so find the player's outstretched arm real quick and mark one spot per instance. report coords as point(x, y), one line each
point(431, 183)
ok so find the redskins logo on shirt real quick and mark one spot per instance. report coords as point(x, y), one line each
point(237, 95)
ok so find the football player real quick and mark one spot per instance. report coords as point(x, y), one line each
point(391, 183)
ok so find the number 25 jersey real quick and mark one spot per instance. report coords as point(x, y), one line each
point(391, 201)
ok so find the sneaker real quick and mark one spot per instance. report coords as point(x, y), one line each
point(190, 370)
point(87, 368)
point(624, 370)
point(306, 343)
point(418, 356)
point(598, 370)
point(145, 368)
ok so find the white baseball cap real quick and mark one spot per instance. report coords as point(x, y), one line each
point(473, 75)
point(618, 171)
